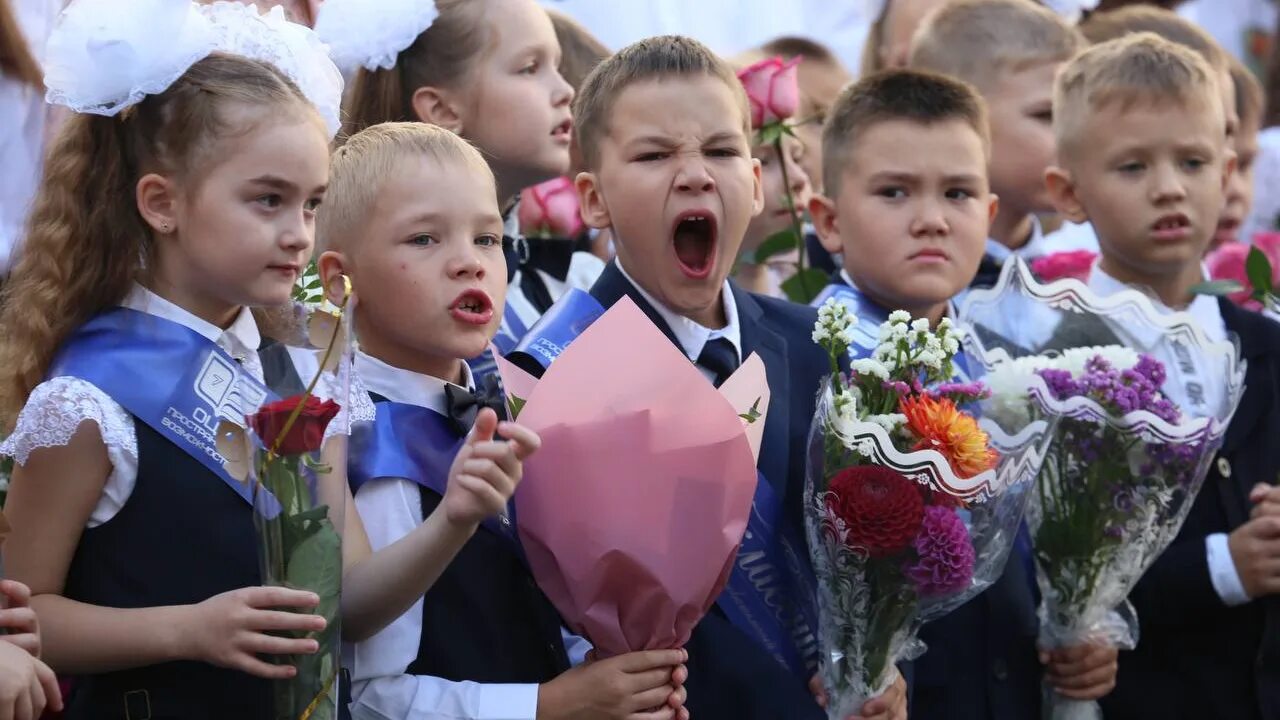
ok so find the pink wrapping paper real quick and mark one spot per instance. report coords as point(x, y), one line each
point(633, 509)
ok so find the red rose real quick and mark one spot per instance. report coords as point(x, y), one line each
point(881, 507)
point(307, 431)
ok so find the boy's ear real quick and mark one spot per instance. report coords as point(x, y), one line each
point(595, 209)
point(438, 107)
point(158, 202)
point(757, 203)
point(993, 209)
point(334, 267)
point(823, 211)
point(1230, 166)
point(1062, 192)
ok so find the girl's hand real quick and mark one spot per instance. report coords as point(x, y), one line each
point(27, 686)
point(486, 471)
point(230, 630)
point(19, 621)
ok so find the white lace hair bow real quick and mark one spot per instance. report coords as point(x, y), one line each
point(1071, 9)
point(102, 59)
point(360, 36)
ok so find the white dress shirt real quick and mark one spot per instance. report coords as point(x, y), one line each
point(57, 407)
point(1205, 311)
point(692, 336)
point(391, 508)
point(584, 270)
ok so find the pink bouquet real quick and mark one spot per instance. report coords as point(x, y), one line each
point(632, 511)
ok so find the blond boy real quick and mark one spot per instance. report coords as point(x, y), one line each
point(1143, 155)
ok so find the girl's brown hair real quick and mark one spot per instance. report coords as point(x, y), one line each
point(580, 51)
point(16, 59)
point(86, 241)
point(442, 56)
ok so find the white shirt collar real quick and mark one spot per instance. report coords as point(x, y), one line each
point(1203, 309)
point(242, 334)
point(692, 336)
point(405, 386)
point(1035, 247)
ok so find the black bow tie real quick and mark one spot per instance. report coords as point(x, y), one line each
point(462, 405)
point(552, 256)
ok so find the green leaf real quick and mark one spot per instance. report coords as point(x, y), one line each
point(1217, 288)
point(515, 405)
point(316, 565)
point(778, 243)
point(753, 414)
point(771, 133)
point(1258, 268)
point(805, 285)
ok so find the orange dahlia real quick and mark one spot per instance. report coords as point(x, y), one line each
point(942, 426)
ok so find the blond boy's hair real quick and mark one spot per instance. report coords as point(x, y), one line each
point(1114, 24)
point(363, 165)
point(1140, 68)
point(655, 58)
point(980, 40)
point(912, 95)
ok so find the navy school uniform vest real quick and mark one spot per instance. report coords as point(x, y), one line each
point(182, 537)
point(485, 619)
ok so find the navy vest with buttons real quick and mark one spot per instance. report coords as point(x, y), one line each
point(182, 537)
point(485, 619)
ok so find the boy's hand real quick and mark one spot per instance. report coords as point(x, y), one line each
point(486, 471)
point(646, 685)
point(892, 705)
point(18, 619)
point(1265, 499)
point(1255, 550)
point(1082, 672)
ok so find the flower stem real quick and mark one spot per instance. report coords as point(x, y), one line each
point(796, 225)
point(315, 379)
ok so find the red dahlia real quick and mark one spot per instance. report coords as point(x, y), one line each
point(881, 507)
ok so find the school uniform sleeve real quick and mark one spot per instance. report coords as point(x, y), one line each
point(1222, 571)
point(1178, 588)
point(54, 413)
point(391, 509)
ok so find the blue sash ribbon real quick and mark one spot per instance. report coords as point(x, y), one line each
point(410, 442)
point(168, 376)
point(509, 333)
point(572, 314)
point(771, 591)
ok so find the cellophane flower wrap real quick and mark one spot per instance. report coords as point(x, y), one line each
point(1130, 450)
point(913, 497)
point(293, 452)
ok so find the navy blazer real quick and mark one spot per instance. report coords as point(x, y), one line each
point(730, 676)
point(1196, 657)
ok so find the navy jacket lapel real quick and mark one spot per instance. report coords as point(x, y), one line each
point(758, 338)
point(1259, 399)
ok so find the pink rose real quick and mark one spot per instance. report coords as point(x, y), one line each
point(1071, 264)
point(1269, 243)
point(1227, 263)
point(773, 87)
point(551, 210)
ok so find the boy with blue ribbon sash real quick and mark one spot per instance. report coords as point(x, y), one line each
point(413, 220)
point(664, 130)
point(909, 206)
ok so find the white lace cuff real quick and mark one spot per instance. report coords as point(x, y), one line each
point(357, 406)
point(57, 408)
